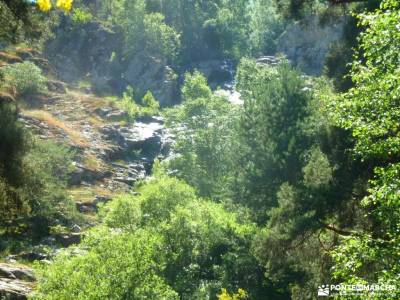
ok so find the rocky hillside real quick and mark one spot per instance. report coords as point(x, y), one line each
point(110, 155)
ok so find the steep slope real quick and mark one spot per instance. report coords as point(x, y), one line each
point(110, 155)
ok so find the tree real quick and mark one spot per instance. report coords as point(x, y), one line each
point(160, 39)
point(272, 131)
point(26, 77)
point(204, 146)
point(370, 111)
point(116, 266)
point(13, 147)
point(161, 243)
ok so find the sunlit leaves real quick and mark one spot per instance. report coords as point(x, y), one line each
point(371, 111)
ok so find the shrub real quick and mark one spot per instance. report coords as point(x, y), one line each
point(26, 77)
point(81, 16)
point(128, 104)
point(151, 106)
point(33, 176)
point(12, 148)
point(160, 39)
point(116, 266)
point(46, 167)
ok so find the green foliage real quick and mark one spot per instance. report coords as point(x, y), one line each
point(370, 111)
point(116, 266)
point(161, 243)
point(12, 149)
point(128, 104)
point(145, 32)
point(159, 198)
point(203, 146)
point(227, 31)
point(26, 77)
point(20, 23)
point(377, 249)
point(195, 87)
point(272, 129)
point(122, 213)
point(47, 167)
point(160, 39)
point(151, 106)
point(81, 16)
point(33, 176)
point(241, 294)
point(318, 171)
point(265, 26)
point(279, 156)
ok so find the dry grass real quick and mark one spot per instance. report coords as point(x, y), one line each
point(93, 102)
point(49, 119)
point(88, 194)
point(93, 163)
point(10, 58)
point(96, 121)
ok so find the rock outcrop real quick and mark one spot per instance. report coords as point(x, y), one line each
point(16, 282)
point(306, 43)
point(148, 73)
point(81, 49)
point(217, 72)
point(111, 154)
point(93, 52)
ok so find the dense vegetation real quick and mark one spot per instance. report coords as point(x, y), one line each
point(295, 188)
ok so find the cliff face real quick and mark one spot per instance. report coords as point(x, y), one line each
point(306, 43)
point(93, 52)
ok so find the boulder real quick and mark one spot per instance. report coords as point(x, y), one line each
point(143, 137)
point(69, 239)
point(43, 64)
point(29, 256)
point(11, 289)
point(56, 86)
point(268, 60)
point(84, 174)
point(14, 272)
point(217, 72)
point(15, 281)
point(9, 58)
point(112, 114)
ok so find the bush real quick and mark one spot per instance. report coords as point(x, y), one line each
point(26, 77)
point(12, 148)
point(160, 39)
point(81, 16)
point(117, 266)
point(47, 166)
point(33, 176)
point(151, 106)
point(198, 235)
point(128, 105)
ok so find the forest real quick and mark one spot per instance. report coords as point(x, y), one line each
point(199, 149)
